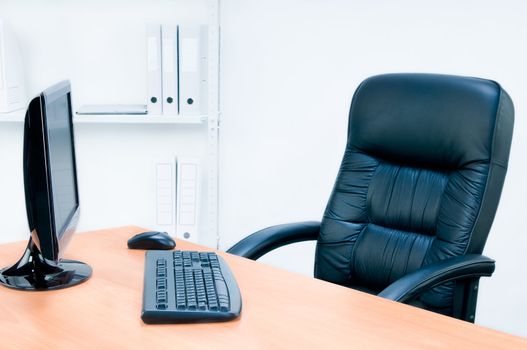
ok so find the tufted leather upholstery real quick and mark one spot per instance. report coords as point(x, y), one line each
point(420, 181)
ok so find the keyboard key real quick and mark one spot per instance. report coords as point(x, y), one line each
point(161, 297)
point(161, 283)
point(221, 288)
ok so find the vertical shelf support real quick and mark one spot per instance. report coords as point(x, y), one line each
point(214, 119)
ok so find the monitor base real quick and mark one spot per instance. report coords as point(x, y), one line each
point(34, 272)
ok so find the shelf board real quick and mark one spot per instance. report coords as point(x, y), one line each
point(137, 119)
point(13, 117)
point(18, 117)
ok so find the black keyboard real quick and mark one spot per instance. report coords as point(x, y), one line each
point(187, 286)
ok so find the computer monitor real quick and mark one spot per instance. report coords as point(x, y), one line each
point(52, 198)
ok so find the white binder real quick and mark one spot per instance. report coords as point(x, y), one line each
point(154, 85)
point(188, 191)
point(193, 73)
point(165, 190)
point(169, 48)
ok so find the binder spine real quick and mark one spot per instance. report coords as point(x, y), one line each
point(188, 194)
point(193, 62)
point(154, 67)
point(169, 49)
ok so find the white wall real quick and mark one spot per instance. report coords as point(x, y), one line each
point(288, 72)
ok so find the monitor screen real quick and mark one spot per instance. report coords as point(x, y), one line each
point(50, 177)
point(61, 162)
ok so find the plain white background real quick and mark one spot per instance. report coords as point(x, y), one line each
point(288, 72)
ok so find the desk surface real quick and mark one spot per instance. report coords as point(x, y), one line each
point(280, 310)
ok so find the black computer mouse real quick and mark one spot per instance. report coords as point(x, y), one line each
point(151, 240)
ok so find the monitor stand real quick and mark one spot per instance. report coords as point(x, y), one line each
point(34, 272)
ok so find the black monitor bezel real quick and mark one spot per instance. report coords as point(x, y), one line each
point(50, 240)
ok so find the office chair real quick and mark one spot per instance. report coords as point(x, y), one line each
point(415, 195)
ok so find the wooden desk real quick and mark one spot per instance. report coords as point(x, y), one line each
point(281, 310)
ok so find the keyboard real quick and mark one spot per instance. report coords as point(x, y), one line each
point(188, 286)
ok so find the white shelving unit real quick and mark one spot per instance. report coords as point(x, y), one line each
point(208, 124)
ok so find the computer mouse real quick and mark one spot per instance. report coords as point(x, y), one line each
point(151, 240)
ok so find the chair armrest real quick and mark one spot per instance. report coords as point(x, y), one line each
point(268, 239)
point(429, 276)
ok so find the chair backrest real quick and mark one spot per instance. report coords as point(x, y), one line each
point(420, 181)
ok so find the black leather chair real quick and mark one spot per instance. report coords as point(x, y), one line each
point(415, 195)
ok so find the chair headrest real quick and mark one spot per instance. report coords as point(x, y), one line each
point(432, 120)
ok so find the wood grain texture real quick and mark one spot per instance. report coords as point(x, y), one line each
point(281, 310)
